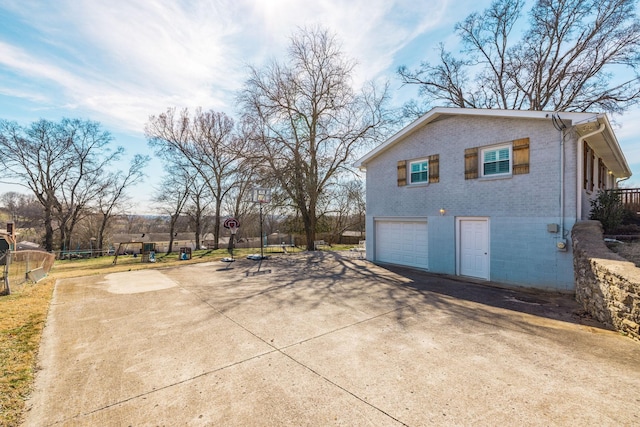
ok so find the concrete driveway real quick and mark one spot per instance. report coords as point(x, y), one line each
point(323, 340)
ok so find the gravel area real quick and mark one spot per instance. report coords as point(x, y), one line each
point(629, 250)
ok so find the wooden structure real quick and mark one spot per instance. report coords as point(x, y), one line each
point(630, 198)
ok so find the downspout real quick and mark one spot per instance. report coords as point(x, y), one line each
point(562, 184)
point(580, 168)
point(617, 183)
point(560, 126)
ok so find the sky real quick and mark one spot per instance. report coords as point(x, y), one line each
point(120, 61)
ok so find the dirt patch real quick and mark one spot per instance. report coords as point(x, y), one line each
point(629, 250)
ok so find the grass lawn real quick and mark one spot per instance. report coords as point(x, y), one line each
point(23, 315)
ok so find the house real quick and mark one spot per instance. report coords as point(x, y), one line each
point(488, 194)
point(28, 246)
point(161, 241)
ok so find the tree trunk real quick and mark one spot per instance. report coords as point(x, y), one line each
point(216, 223)
point(311, 237)
point(103, 226)
point(48, 230)
point(170, 248)
point(309, 222)
point(198, 226)
point(62, 238)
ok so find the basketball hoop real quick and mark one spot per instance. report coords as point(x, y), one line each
point(233, 230)
point(261, 195)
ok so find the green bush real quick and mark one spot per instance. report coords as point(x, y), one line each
point(631, 215)
point(608, 209)
point(629, 229)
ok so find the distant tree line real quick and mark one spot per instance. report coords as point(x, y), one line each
point(68, 167)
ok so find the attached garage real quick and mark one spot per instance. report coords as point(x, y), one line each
point(402, 242)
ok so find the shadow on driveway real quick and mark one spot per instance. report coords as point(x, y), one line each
point(549, 304)
point(323, 276)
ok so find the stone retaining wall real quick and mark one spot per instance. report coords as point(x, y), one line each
point(607, 285)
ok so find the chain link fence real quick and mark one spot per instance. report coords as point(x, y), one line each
point(20, 266)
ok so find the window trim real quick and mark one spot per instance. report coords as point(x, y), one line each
point(410, 173)
point(483, 150)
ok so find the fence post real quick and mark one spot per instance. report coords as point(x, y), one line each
point(7, 288)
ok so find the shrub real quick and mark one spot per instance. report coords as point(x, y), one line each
point(630, 229)
point(631, 215)
point(608, 209)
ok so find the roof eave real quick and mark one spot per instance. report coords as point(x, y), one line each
point(437, 112)
point(607, 146)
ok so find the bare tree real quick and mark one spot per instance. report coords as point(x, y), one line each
point(37, 158)
point(196, 206)
point(25, 210)
point(346, 210)
point(239, 203)
point(311, 120)
point(171, 197)
point(113, 193)
point(565, 61)
point(61, 163)
point(84, 179)
point(206, 142)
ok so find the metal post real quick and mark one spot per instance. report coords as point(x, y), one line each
point(261, 241)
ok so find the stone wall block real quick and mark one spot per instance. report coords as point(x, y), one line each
point(607, 285)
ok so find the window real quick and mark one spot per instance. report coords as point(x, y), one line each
point(589, 167)
point(419, 171)
point(425, 170)
point(508, 159)
point(496, 161)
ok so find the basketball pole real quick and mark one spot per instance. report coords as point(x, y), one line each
point(261, 241)
point(260, 196)
point(231, 239)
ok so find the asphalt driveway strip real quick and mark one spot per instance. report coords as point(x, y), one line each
point(324, 339)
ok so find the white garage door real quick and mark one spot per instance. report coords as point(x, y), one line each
point(402, 243)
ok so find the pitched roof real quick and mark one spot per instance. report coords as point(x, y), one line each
point(604, 143)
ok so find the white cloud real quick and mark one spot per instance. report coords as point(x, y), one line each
point(125, 60)
point(30, 66)
point(371, 31)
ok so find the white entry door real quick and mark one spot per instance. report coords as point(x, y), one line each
point(473, 247)
point(402, 243)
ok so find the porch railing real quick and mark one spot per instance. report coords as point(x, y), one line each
point(630, 197)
